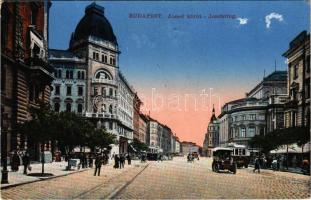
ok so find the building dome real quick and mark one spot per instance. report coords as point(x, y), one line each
point(94, 23)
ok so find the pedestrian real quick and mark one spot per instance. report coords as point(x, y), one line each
point(15, 162)
point(122, 161)
point(26, 162)
point(128, 157)
point(116, 161)
point(98, 165)
point(84, 157)
point(91, 161)
point(257, 165)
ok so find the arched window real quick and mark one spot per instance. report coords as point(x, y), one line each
point(56, 107)
point(102, 74)
point(251, 131)
point(79, 75)
point(82, 75)
point(68, 107)
point(67, 74)
point(80, 108)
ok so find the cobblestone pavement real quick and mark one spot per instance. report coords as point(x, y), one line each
point(182, 180)
point(83, 185)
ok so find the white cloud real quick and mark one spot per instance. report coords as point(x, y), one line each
point(271, 16)
point(242, 21)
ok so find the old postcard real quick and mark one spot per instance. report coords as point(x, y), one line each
point(155, 99)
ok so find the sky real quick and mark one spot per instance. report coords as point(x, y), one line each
point(181, 67)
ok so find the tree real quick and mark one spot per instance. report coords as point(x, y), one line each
point(280, 137)
point(138, 145)
point(72, 131)
point(100, 138)
point(41, 128)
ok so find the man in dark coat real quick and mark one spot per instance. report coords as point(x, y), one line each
point(116, 161)
point(98, 165)
point(15, 162)
point(257, 165)
point(122, 161)
point(128, 157)
point(26, 162)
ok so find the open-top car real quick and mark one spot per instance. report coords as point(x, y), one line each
point(223, 160)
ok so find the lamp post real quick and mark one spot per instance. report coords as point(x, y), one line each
point(4, 178)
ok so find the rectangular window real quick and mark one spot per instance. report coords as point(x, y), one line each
point(103, 91)
point(296, 71)
point(68, 90)
point(57, 89)
point(80, 90)
point(251, 132)
point(97, 56)
point(94, 55)
point(110, 125)
point(95, 91)
point(253, 117)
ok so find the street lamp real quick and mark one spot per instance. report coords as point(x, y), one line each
point(4, 178)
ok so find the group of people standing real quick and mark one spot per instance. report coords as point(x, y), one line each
point(119, 160)
point(16, 162)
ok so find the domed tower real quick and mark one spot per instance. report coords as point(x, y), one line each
point(94, 39)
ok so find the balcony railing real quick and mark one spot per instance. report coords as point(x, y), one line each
point(105, 81)
point(39, 63)
point(101, 115)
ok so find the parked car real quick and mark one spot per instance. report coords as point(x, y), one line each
point(223, 160)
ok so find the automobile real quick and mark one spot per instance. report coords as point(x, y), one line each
point(152, 156)
point(240, 154)
point(223, 160)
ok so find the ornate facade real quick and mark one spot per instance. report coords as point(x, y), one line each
point(25, 72)
point(297, 107)
point(89, 81)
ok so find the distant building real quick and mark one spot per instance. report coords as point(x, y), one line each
point(212, 135)
point(153, 135)
point(136, 105)
point(143, 121)
point(297, 107)
point(177, 146)
point(189, 147)
point(261, 111)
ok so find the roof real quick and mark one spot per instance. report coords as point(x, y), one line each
point(222, 149)
point(59, 53)
point(94, 23)
point(297, 42)
point(274, 76)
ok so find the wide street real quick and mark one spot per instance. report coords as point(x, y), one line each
point(167, 179)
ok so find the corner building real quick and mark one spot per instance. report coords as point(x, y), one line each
point(92, 83)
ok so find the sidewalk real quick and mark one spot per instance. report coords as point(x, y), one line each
point(55, 168)
point(296, 170)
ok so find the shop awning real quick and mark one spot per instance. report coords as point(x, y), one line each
point(293, 148)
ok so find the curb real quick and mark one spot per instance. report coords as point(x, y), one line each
point(41, 179)
point(117, 191)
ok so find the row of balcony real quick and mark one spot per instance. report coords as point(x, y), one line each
point(105, 81)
